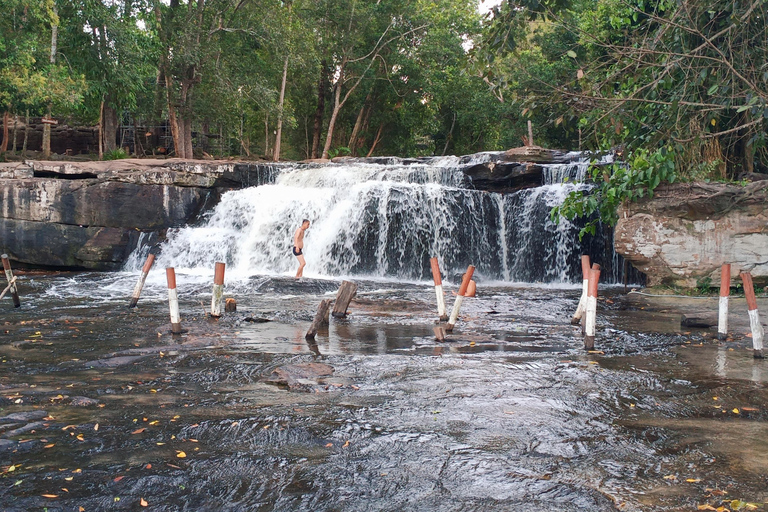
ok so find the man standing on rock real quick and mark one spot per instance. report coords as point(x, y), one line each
point(298, 245)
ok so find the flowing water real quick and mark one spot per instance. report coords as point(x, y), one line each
point(102, 408)
point(387, 220)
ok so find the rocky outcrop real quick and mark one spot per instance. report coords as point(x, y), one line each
point(90, 215)
point(688, 230)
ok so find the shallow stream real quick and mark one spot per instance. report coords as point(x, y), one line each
point(102, 408)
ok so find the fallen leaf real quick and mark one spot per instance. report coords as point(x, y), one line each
point(49, 445)
point(346, 444)
point(329, 445)
point(735, 411)
point(705, 507)
point(751, 409)
point(96, 427)
point(670, 477)
point(154, 422)
point(693, 480)
point(117, 479)
point(143, 502)
point(138, 431)
point(181, 455)
point(69, 478)
point(49, 495)
point(148, 466)
point(65, 489)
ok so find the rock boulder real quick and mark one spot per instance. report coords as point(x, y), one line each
point(688, 230)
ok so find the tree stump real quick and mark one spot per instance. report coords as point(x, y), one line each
point(230, 305)
point(321, 318)
point(347, 292)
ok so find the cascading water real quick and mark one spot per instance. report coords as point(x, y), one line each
point(387, 220)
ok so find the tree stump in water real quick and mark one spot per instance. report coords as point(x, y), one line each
point(347, 292)
point(230, 305)
point(321, 318)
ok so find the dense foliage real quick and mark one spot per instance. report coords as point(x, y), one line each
point(268, 78)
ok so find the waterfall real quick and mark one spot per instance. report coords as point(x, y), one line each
point(386, 220)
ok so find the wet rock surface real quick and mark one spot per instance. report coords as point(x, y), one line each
point(510, 413)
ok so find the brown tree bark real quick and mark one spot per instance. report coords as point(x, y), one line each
point(6, 120)
point(376, 140)
point(320, 111)
point(358, 124)
point(109, 127)
point(280, 105)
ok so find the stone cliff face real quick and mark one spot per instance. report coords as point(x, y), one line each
point(90, 215)
point(688, 230)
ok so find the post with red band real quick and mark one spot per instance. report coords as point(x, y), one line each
point(218, 290)
point(583, 299)
point(11, 281)
point(438, 289)
point(591, 309)
point(725, 290)
point(460, 298)
point(754, 317)
point(140, 285)
point(173, 301)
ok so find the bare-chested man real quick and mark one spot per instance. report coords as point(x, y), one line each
point(298, 245)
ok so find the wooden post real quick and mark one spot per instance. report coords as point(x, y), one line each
point(438, 289)
point(591, 313)
point(321, 318)
point(725, 290)
point(754, 317)
point(8, 288)
point(472, 288)
point(347, 292)
point(218, 289)
point(584, 288)
point(142, 279)
point(11, 281)
point(173, 301)
point(460, 298)
point(439, 331)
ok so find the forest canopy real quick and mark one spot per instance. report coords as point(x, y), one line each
point(319, 78)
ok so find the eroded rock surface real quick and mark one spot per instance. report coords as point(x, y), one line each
point(90, 215)
point(688, 230)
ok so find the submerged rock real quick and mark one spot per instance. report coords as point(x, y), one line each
point(300, 376)
point(24, 416)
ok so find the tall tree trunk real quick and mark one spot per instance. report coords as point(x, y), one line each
point(6, 120)
point(109, 127)
point(26, 135)
point(101, 130)
point(15, 124)
point(317, 128)
point(358, 124)
point(188, 153)
point(46, 126)
point(334, 114)
point(450, 134)
point(280, 104)
point(376, 140)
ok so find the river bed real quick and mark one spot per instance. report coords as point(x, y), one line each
point(509, 414)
